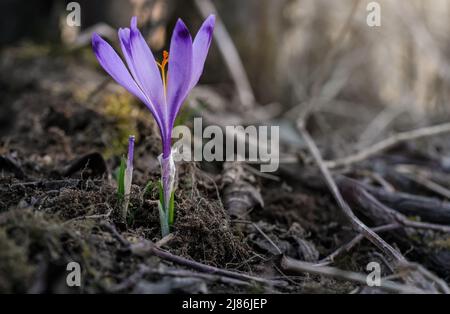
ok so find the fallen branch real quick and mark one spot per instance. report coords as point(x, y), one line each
point(292, 265)
point(389, 143)
point(427, 208)
point(428, 184)
point(379, 212)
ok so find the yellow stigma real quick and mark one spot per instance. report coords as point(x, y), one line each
point(162, 67)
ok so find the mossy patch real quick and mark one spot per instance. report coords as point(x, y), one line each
point(119, 107)
point(15, 271)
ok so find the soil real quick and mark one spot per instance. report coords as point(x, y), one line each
point(63, 129)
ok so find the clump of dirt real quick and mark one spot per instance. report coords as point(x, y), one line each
point(202, 229)
point(204, 233)
point(46, 122)
point(11, 194)
point(314, 212)
point(73, 203)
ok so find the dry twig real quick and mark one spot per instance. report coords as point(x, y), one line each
point(389, 143)
point(421, 179)
point(427, 208)
point(289, 264)
point(347, 247)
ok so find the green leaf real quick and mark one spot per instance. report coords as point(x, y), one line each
point(163, 220)
point(169, 212)
point(172, 208)
point(147, 188)
point(161, 192)
point(121, 179)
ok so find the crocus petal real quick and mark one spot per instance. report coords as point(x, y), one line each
point(114, 66)
point(124, 38)
point(180, 70)
point(201, 45)
point(145, 67)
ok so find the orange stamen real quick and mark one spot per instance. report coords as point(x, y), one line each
point(162, 67)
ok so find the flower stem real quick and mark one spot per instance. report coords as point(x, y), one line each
point(164, 221)
point(166, 204)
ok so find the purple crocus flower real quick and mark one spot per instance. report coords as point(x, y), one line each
point(162, 92)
